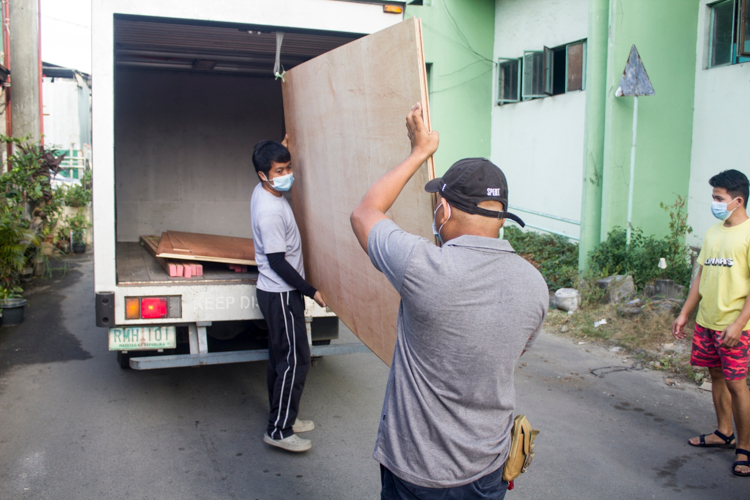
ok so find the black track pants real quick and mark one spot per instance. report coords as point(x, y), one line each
point(288, 357)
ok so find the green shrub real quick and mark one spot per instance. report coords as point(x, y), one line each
point(15, 240)
point(641, 258)
point(29, 207)
point(554, 256)
point(77, 225)
point(79, 195)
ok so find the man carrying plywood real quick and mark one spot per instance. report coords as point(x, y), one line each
point(280, 289)
point(468, 310)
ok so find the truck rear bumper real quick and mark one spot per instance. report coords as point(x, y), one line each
point(221, 358)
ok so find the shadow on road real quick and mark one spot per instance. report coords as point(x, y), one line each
point(42, 337)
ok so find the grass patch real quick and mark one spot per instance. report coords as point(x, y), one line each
point(647, 337)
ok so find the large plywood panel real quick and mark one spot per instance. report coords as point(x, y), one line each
point(345, 113)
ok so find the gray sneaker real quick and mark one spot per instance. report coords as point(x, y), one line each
point(303, 426)
point(292, 443)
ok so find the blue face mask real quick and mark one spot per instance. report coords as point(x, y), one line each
point(283, 183)
point(436, 232)
point(719, 209)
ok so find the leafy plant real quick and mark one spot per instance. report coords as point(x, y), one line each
point(27, 183)
point(29, 206)
point(77, 225)
point(11, 293)
point(15, 239)
point(678, 253)
point(30, 170)
point(554, 256)
point(641, 257)
point(79, 195)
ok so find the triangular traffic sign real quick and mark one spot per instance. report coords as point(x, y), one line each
point(634, 81)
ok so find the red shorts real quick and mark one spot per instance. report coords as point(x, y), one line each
point(708, 353)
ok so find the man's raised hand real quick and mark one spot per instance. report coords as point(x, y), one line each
point(423, 142)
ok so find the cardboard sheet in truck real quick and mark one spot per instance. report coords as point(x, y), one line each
point(345, 112)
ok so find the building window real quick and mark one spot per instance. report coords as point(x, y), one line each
point(575, 66)
point(509, 80)
point(542, 73)
point(564, 68)
point(729, 34)
point(745, 30)
point(554, 78)
point(533, 75)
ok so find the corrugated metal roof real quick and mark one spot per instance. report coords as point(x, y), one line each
point(235, 48)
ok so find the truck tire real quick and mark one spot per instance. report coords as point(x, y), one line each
point(123, 360)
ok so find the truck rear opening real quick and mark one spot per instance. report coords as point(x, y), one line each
point(191, 99)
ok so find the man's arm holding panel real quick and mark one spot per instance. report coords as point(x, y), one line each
point(381, 195)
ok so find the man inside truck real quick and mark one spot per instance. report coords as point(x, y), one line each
point(469, 309)
point(280, 289)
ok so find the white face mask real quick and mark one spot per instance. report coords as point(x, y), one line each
point(282, 183)
point(719, 209)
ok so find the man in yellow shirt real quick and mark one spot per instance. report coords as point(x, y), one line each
point(721, 340)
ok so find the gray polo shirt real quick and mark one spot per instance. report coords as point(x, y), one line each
point(468, 310)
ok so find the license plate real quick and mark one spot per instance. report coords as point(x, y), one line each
point(139, 338)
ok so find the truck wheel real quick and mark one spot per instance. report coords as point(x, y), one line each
point(123, 360)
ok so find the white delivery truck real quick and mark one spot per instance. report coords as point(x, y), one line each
point(182, 90)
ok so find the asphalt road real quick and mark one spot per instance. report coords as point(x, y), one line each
point(73, 425)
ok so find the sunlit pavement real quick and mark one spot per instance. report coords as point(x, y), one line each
point(76, 426)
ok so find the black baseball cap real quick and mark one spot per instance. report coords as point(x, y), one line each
point(471, 181)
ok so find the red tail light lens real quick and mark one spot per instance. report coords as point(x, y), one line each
point(154, 307)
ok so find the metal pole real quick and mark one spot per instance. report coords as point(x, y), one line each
point(632, 171)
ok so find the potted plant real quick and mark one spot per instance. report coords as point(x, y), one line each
point(79, 195)
point(12, 305)
point(17, 243)
point(78, 224)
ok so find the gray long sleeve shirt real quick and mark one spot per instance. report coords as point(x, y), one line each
point(468, 310)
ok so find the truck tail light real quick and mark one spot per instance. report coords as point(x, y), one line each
point(154, 307)
point(132, 308)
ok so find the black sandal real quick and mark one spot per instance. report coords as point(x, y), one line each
point(727, 441)
point(745, 462)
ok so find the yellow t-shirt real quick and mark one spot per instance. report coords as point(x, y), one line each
point(725, 278)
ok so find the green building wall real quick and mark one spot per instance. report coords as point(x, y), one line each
point(458, 40)
point(665, 34)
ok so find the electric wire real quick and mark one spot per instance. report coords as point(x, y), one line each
point(461, 69)
point(67, 22)
point(462, 83)
point(457, 43)
point(460, 33)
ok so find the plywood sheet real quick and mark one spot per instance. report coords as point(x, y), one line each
point(207, 247)
point(345, 112)
point(136, 265)
point(151, 244)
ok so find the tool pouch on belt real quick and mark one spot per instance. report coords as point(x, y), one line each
point(521, 448)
